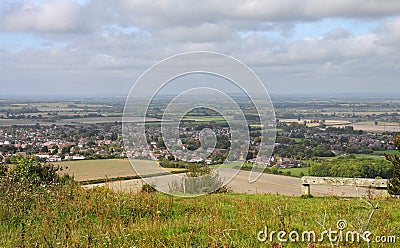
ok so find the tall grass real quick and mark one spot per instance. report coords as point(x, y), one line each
point(63, 214)
point(74, 217)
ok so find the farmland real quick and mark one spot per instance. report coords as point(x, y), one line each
point(379, 127)
point(312, 123)
point(297, 172)
point(204, 118)
point(102, 169)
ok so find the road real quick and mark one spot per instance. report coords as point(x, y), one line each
point(266, 184)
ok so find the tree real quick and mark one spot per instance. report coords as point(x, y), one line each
point(65, 149)
point(394, 182)
point(114, 136)
point(44, 149)
point(350, 166)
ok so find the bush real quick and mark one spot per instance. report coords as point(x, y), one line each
point(26, 185)
point(29, 178)
point(34, 173)
point(199, 179)
point(148, 188)
point(394, 182)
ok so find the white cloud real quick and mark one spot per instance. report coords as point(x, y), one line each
point(191, 12)
point(206, 32)
point(389, 33)
point(56, 16)
point(106, 42)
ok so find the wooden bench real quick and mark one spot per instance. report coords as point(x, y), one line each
point(380, 184)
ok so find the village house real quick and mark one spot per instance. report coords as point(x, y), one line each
point(54, 158)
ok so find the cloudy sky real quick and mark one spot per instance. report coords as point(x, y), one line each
point(83, 47)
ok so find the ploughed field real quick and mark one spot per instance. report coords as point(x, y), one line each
point(83, 170)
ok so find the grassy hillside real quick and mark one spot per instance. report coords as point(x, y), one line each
point(39, 208)
point(74, 217)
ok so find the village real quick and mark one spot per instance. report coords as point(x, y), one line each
point(56, 143)
point(294, 143)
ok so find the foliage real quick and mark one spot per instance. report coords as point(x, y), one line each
point(350, 166)
point(148, 188)
point(29, 173)
point(199, 179)
point(394, 183)
point(25, 184)
point(166, 163)
point(302, 148)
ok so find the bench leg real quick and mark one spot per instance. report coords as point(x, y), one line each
point(305, 189)
point(383, 192)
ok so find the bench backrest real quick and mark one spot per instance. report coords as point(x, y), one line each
point(339, 181)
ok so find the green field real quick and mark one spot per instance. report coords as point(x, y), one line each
point(353, 155)
point(297, 171)
point(320, 160)
point(391, 152)
point(298, 140)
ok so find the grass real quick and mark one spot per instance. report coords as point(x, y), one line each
point(40, 209)
point(75, 217)
point(296, 172)
point(232, 165)
point(358, 156)
point(311, 162)
point(390, 152)
point(298, 140)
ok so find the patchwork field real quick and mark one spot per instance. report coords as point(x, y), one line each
point(91, 120)
point(369, 126)
point(310, 124)
point(204, 118)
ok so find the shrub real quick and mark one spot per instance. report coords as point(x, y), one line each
point(29, 180)
point(148, 188)
point(199, 179)
point(394, 182)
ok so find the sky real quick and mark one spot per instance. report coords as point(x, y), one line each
point(100, 47)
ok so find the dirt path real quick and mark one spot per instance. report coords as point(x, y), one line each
point(267, 183)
